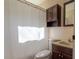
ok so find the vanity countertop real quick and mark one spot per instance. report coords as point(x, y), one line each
point(64, 43)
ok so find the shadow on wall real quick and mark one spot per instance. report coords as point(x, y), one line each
point(30, 41)
point(30, 48)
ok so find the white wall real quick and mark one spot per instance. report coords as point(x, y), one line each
point(20, 14)
point(7, 41)
point(63, 33)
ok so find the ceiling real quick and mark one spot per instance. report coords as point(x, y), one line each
point(44, 3)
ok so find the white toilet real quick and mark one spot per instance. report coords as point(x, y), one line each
point(45, 54)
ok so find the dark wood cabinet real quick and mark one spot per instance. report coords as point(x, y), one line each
point(56, 55)
point(65, 56)
point(59, 52)
point(53, 16)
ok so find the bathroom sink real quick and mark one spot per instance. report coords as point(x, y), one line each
point(64, 43)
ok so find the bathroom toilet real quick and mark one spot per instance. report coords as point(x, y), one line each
point(45, 54)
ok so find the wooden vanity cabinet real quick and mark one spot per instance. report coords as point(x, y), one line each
point(56, 55)
point(53, 15)
point(60, 52)
point(65, 56)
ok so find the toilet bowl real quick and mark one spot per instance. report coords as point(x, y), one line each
point(45, 54)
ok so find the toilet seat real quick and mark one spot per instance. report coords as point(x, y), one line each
point(42, 54)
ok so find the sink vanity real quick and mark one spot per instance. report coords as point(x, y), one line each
point(62, 50)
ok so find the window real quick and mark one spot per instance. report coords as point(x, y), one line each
point(30, 33)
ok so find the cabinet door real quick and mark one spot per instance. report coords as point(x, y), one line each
point(49, 15)
point(55, 13)
point(65, 56)
point(56, 55)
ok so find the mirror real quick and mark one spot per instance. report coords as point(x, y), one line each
point(69, 13)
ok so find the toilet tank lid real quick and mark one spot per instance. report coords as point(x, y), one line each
point(43, 53)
